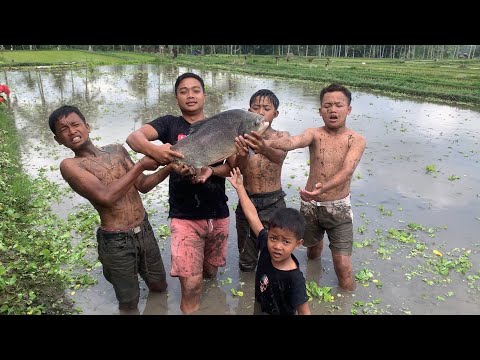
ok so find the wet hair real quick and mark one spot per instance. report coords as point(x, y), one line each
point(63, 112)
point(265, 93)
point(288, 219)
point(336, 87)
point(188, 75)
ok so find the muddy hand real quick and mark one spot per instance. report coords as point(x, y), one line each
point(164, 155)
point(255, 141)
point(312, 195)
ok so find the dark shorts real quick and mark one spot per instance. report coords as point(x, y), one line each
point(334, 217)
point(125, 254)
point(266, 204)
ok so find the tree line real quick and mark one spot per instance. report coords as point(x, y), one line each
point(405, 52)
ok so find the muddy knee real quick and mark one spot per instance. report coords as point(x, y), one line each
point(315, 251)
point(158, 286)
point(344, 271)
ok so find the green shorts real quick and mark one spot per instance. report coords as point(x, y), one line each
point(125, 254)
point(334, 217)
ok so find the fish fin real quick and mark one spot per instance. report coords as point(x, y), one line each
point(250, 151)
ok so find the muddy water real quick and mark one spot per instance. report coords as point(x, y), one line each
point(391, 187)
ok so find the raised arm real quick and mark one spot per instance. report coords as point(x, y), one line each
point(145, 183)
point(287, 143)
point(90, 187)
point(140, 141)
point(248, 208)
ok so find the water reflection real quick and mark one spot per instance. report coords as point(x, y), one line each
point(403, 137)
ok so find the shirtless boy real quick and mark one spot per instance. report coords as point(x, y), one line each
point(335, 152)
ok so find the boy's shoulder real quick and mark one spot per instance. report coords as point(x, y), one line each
point(68, 161)
point(352, 134)
point(357, 135)
point(112, 148)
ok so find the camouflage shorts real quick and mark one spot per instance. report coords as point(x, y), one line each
point(333, 217)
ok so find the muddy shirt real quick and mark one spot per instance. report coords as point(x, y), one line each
point(187, 200)
point(279, 292)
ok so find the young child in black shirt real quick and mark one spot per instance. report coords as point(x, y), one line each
point(279, 284)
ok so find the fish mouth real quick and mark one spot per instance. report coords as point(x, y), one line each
point(263, 126)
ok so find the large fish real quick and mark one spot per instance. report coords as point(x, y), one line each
point(213, 139)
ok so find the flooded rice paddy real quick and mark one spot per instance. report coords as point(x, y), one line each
point(415, 194)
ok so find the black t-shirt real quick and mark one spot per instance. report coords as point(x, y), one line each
point(283, 290)
point(187, 200)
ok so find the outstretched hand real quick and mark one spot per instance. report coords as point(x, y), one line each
point(236, 178)
point(312, 195)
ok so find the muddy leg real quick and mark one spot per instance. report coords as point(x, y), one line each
point(315, 251)
point(343, 269)
point(158, 286)
point(191, 293)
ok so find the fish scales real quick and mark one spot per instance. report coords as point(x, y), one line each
point(213, 139)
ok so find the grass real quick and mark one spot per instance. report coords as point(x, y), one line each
point(69, 57)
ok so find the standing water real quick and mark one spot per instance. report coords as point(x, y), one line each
point(416, 206)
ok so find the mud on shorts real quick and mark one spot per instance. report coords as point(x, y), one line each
point(125, 254)
point(266, 204)
point(334, 217)
point(196, 241)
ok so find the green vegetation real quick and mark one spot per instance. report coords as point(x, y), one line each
point(37, 259)
point(450, 81)
point(430, 168)
point(323, 293)
point(69, 58)
point(454, 81)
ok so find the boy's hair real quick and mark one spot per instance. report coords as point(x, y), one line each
point(268, 94)
point(63, 112)
point(288, 219)
point(336, 87)
point(188, 75)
